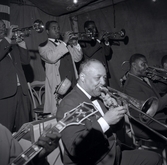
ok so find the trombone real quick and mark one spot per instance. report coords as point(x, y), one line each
point(140, 106)
point(159, 72)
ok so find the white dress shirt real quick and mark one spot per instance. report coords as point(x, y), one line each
point(104, 125)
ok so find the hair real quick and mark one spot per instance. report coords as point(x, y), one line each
point(135, 57)
point(86, 63)
point(47, 25)
point(164, 60)
point(86, 24)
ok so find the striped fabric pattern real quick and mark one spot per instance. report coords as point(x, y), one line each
point(5, 11)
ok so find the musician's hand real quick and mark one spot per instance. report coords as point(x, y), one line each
point(49, 141)
point(101, 35)
point(9, 31)
point(67, 36)
point(21, 43)
point(114, 115)
point(108, 100)
point(73, 42)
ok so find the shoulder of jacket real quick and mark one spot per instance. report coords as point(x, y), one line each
point(43, 44)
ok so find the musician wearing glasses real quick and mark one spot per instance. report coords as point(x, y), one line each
point(97, 46)
point(139, 86)
point(60, 52)
point(10, 149)
point(14, 100)
point(94, 141)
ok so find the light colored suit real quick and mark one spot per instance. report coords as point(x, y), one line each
point(52, 55)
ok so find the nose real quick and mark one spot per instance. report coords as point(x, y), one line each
point(146, 66)
point(103, 81)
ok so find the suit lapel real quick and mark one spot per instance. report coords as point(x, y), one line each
point(84, 97)
point(147, 86)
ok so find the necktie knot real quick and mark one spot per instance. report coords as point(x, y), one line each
point(93, 98)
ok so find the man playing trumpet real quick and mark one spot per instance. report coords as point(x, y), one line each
point(60, 54)
point(96, 48)
point(14, 100)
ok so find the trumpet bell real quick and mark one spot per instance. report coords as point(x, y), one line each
point(38, 26)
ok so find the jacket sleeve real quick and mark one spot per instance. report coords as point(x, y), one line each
point(5, 47)
point(52, 53)
point(76, 53)
point(82, 140)
point(24, 55)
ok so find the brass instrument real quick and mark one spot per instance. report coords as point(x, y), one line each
point(26, 31)
point(159, 72)
point(88, 36)
point(140, 106)
point(150, 104)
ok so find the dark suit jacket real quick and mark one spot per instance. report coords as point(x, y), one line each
point(140, 90)
point(10, 67)
point(86, 144)
point(97, 51)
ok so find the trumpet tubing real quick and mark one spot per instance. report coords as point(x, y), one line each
point(110, 35)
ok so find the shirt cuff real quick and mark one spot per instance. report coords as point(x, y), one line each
point(104, 125)
point(98, 40)
point(64, 43)
point(77, 46)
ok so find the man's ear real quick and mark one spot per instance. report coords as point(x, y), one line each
point(47, 31)
point(82, 77)
point(134, 65)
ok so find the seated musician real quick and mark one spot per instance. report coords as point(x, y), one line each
point(94, 142)
point(138, 86)
point(10, 149)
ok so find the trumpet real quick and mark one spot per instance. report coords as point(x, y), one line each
point(159, 72)
point(89, 35)
point(26, 31)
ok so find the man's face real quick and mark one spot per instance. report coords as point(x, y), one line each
point(140, 67)
point(94, 79)
point(165, 66)
point(54, 31)
point(2, 29)
point(91, 29)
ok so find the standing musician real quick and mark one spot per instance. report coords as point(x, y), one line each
point(14, 100)
point(98, 47)
point(60, 55)
point(94, 142)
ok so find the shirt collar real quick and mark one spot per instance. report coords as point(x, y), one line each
point(135, 76)
point(88, 95)
point(53, 40)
